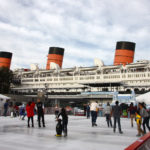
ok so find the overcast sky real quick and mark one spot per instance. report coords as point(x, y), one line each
point(87, 29)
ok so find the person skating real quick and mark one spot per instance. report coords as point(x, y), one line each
point(97, 111)
point(145, 117)
point(56, 111)
point(40, 112)
point(93, 108)
point(1, 107)
point(139, 122)
point(108, 111)
point(100, 110)
point(64, 116)
point(88, 111)
point(116, 111)
point(59, 128)
point(16, 110)
point(132, 110)
point(5, 108)
point(30, 112)
point(85, 109)
point(22, 112)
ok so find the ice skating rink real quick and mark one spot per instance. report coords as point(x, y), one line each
point(14, 135)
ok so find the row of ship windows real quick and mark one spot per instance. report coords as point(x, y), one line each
point(55, 84)
point(137, 75)
point(138, 81)
point(62, 79)
point(63, 84)
point(124, 76)
point(88, 78)
point(112, 77)
point(31, 76)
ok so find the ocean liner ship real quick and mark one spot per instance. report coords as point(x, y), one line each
point(123, 76)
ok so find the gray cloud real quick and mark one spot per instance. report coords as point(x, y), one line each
point(86, 29)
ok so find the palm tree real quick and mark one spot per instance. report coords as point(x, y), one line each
point(6, 77)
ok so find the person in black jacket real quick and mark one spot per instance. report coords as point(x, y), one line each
point(64, 116)
point(88, 111)
point(6, 105)
point(116, 111)
point(40, 112)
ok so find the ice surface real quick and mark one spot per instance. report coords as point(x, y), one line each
point(14, 135)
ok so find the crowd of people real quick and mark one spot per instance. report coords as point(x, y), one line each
point(30, 110)
point(8, 107)
point(139, 114)
point(38, 108)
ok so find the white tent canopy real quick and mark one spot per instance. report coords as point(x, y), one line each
point(144, 98)
point(4, 97)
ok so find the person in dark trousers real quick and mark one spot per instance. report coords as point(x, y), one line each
point(108, 111)
point(132, 110)
point(93, 108)
point(84, 107)
point(22, 112)
point(145, 116)
point(40, 112)
point(116, 111)
point(16, 111)
point(5, 108)
point(30, 112)
point(56, 111)
point(64, 116)
point(88, 111)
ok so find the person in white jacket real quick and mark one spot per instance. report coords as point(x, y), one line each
point(93, 108)
point(108, 111)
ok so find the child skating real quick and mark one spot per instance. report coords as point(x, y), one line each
point(139, 122)
point(59, 128)
point(64, 116)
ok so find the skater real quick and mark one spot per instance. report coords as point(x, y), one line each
point(93, 108)
point(139, 122)
point(84, 108)
point(116, 111)
point(100, 110)
point(40, 112)
point(145, 117)
point(132, 111)
point(16, 111)
point(30, 112)
point(88, 111)
point(56, 111)
point(64, 116)
point(1, 107)
point(59, 128)
point(22, 112)
point(97, 110)
point(108, 111)
point(5, 108)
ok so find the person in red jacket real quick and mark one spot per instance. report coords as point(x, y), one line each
point(30, 112)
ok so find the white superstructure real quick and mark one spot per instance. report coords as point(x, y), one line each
point(81, 79)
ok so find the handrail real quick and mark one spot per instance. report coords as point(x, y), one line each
point(140, 143)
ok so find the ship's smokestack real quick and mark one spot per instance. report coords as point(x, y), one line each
point(5, 59)
point(124, 53)
point(55, 55)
